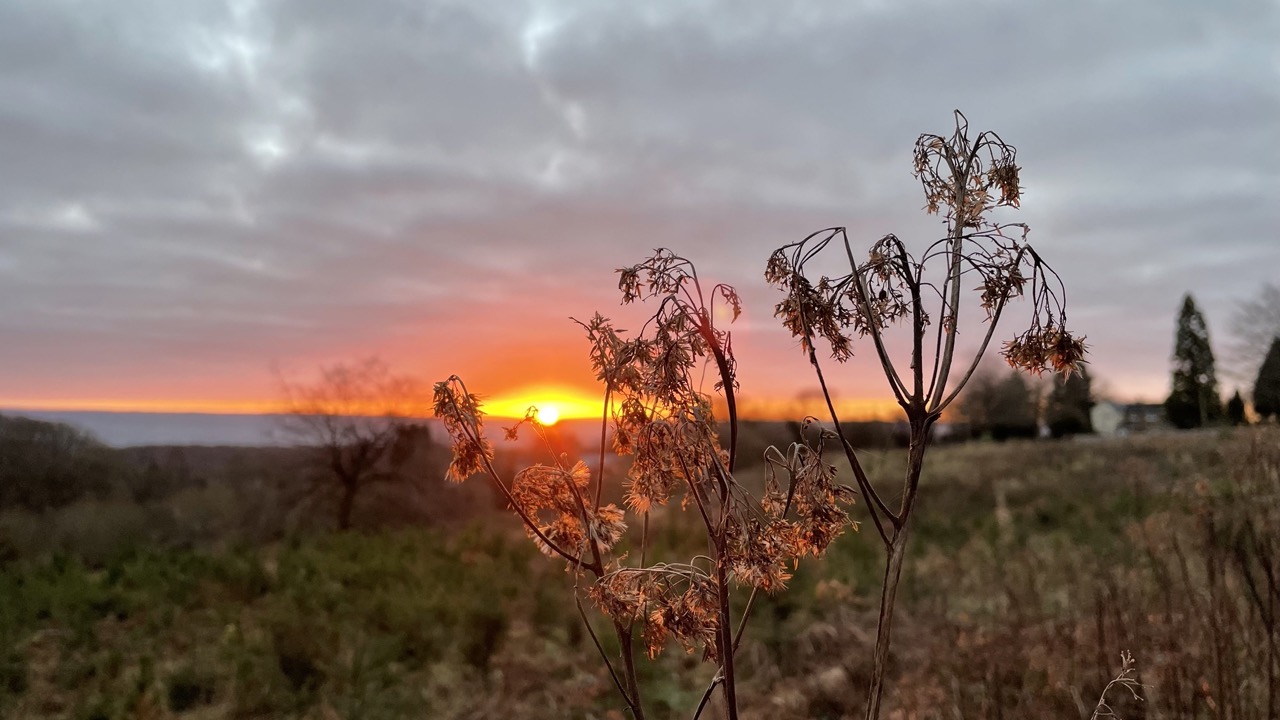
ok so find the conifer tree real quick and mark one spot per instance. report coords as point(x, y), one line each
point(1194, 400)
point(1266, 391)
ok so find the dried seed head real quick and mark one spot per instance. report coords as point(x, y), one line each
point(670, 602)
point(464, 421)
point(1045, 348)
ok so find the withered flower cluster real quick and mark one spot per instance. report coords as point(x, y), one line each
point(966, 181)
point(555, 496)
point(978, 258)
point(464, 420)
point(812, 495)
point(964, 177)
point(1044, 347)
point(668, 427)
point(807, 309)
point(671, 601)
point(665, 422)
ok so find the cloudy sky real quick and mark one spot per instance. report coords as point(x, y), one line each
point(194, 193)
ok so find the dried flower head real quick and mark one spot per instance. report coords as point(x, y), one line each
point(971, 182)
point(669, 601)
point(664, 418)
point(966, 179)
point(1046, 348)
point(463, 420)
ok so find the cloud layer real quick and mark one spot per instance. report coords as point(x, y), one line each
point(192, 192)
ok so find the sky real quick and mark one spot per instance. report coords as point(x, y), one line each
point(197, 199)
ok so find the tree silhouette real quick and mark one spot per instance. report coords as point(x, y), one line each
point(999, 403)
point(1266, 390)
point(357, 418)
point(1194, 400)
point(1253, 324)
point(1235, 409)
point(47, 465)
point(1067, 412)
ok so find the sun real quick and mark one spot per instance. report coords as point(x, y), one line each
point(548, 414)
point(554, 403)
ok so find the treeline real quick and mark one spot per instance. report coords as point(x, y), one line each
point(63, 490)
point(46, 465)
point(1001, 405)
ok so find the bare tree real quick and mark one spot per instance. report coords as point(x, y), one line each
point(358, 418)
point(966, 179)
point(1255, 322)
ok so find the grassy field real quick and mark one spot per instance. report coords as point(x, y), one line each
point(1035, 565)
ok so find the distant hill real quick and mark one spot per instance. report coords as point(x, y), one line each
point(122, 429)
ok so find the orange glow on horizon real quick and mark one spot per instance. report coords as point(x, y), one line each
point(209, 407)
point(554, 402)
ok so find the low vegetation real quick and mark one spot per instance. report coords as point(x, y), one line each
point(1034, 567)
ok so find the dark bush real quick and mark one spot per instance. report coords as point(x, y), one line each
point(189, 688)
point(484, 630)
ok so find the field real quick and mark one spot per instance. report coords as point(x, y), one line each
point(1035, 565)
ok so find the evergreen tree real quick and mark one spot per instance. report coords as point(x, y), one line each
point(1067, 411)
point(1266, 391)
point(1194, 401)
point(1235, 409)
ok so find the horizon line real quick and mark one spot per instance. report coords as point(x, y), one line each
point(859, 410)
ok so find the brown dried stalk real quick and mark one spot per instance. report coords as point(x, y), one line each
point(965, 180)
point(663, 419)
point(1127, 679)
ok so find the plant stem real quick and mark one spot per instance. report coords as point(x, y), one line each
point(725, 639)
point(629, 662)
point(888, 598)
point(897, 554)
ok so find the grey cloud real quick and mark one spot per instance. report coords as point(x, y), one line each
point(256, 181)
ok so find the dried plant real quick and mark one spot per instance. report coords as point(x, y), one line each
point(965, 180)
point(662, 418)
point(1127, 679)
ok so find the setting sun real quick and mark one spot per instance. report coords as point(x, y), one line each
point(554, 403)
point(548, 414)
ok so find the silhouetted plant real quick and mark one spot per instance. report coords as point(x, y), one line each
point(662, 417)
point(966, 180)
